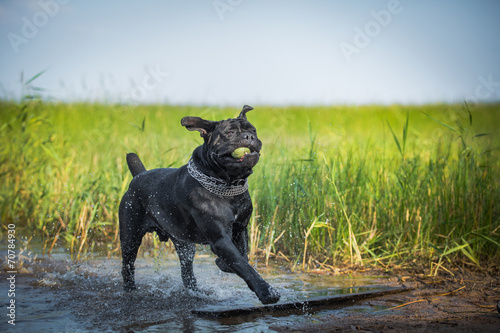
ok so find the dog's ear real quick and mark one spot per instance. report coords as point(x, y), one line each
point(203, 126)
point(243, 112)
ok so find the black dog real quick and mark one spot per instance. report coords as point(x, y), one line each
point(204, 202)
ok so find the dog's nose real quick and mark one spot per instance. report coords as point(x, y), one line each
point(248, 136)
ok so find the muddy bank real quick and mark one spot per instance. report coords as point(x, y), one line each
point(465, 302)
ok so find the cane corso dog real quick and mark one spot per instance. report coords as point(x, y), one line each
point(203, 202)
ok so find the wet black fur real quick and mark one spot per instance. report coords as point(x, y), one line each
point(173, 204)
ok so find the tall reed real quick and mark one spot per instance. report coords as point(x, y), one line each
point(366, 185)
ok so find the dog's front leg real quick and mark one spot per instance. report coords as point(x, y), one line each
point(240, 240)
point(186, 252)
point(225, 249)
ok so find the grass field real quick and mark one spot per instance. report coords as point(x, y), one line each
point(371, 185)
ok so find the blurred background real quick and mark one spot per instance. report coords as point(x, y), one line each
point(235, 52)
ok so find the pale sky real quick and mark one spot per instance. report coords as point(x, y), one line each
point(235, 52)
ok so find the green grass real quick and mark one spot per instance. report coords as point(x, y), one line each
point(371, 185)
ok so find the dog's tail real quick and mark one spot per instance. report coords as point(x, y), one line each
point(134, 164)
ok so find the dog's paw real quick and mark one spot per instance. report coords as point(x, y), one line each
point(129, 287)
point(223, 266)
point(270, 297)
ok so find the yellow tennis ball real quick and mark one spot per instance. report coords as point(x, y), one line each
point(240, 152)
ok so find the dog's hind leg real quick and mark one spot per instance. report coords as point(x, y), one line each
point(131, 232)
point(186, 252)
point(130, 247)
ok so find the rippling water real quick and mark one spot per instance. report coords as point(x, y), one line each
point(58, 294)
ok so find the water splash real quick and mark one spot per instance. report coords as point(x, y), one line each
point(88, 295)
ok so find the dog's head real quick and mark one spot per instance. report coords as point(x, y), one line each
point(224, 140)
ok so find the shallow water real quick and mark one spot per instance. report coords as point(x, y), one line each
point(58, 294)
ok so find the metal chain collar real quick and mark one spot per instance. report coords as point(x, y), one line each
point(216, 185)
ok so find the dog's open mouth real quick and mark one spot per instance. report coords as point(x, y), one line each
point(240, 153)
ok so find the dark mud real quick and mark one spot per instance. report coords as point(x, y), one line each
point(460, 303)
